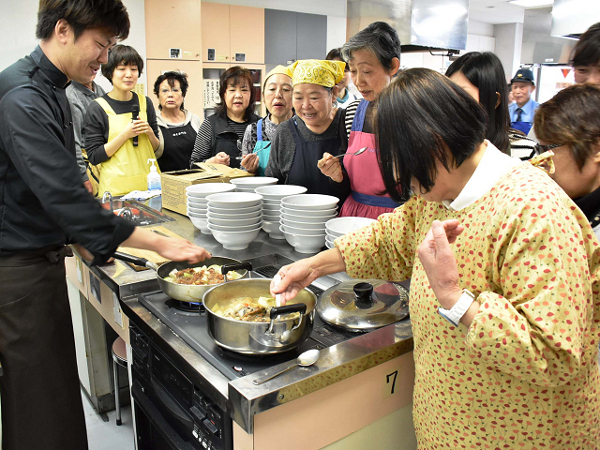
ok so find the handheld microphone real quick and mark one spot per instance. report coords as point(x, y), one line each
point(135, 115)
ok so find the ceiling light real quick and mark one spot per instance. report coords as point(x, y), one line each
point(532, 3)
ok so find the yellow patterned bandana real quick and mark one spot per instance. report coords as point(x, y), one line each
point(315, 71)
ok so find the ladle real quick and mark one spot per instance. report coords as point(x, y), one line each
point(356, 153)
point(308, 358)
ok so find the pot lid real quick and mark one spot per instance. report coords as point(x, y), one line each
point(363, 305)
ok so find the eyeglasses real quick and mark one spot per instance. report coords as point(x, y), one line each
point(174, 91)
point(539, 148)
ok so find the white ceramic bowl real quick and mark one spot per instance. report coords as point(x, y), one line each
point(329, 245)
point(271, 208)
point(310, 201)
point(234, 216)
point(235, 211)
point(201, 224)
point(329, 213)
point(251, 190)
point(329, 240)
point(235, 221)
point(270, 218)
point(197, 200)
point(234, 200)
point(317, 226)
point(199, 215)
point(304, 243)
point(344, 225)
point(253, 182)
point(301, 230)
point(196, 210)
point(197, 205)
point(267, 201)
point(305, 218)
point(234, 240)
point(278, 191)
point(230, 227)
point(332, 235)
point(272, 227)
point(203, 189)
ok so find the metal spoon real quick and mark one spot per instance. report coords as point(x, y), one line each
point(308, 358)
point(362, 150)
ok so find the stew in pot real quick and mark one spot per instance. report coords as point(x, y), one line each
point(248, 309)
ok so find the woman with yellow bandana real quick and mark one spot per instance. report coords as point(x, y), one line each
point(300, 142)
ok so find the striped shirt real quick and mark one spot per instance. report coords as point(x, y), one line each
point(203, 146)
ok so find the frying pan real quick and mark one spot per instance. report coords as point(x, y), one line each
point(185, 292)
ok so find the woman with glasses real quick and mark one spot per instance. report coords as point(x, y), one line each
point(569, 126)
point(179, 126)
point(504, 272)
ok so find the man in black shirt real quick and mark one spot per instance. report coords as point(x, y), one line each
point(43, 207)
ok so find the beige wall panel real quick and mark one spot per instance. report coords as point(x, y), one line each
point(247, 30)
point(172, 24)
point(216, 32)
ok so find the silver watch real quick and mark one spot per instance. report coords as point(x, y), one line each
point(454, 314)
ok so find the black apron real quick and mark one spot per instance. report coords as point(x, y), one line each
point(39, 389)
point(179, 144)
point(304, 170)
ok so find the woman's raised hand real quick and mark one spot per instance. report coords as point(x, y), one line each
point(250, 162)
point(331, 167)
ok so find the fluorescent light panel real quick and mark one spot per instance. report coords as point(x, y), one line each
point(532, 3)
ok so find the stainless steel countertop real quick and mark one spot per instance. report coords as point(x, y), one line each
point(241, 398)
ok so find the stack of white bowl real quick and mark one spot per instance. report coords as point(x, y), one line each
point(248, 184)
point(234, 218)
point(197, 203)
point(272, 196)
point(335, 228)
point(303, 220)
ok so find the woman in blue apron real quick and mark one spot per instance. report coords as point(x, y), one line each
point(277, 94)
point(314, 130)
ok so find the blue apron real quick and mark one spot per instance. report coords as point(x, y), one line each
point(262, 149)
point(304, 170)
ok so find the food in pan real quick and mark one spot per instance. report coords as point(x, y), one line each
point(200, 276)
point(248, 309)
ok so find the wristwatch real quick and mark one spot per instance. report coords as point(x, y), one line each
point(454, 314)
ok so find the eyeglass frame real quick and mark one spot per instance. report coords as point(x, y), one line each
point(542, 148)
point(173, 90)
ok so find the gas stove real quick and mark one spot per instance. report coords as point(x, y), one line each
point(192, 327)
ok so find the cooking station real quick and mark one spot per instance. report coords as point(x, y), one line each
point(190, 393)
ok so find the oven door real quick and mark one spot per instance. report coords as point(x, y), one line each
point(153, 430)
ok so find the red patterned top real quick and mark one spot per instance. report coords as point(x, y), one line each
point(525, 374)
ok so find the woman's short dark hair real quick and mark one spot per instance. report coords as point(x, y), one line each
point(421, 118)
point(234, 76)
point(587, 49)
point(380, 39)
point(171, 77)
point(122, 54)
point(81, 15)
point(571, 117)
point(335, 54)
point(485, 72)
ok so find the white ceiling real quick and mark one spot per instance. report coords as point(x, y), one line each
point(495, 11)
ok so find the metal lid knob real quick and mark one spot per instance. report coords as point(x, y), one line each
point(363, 294)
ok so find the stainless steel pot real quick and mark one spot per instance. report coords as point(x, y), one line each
point(185, 292)
point(259, 338)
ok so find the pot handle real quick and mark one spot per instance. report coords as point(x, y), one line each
point(135, 260)
point(225, 268)
point(287, 309)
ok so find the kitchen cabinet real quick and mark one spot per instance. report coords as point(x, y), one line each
point(193, 69)
point(233, 34)
point(173, 24)
point(291, 36)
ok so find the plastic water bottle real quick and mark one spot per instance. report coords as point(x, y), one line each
point(153, 177)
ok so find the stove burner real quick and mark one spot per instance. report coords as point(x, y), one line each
point(185, 306)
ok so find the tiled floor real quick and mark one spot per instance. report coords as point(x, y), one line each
point(107, 435)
